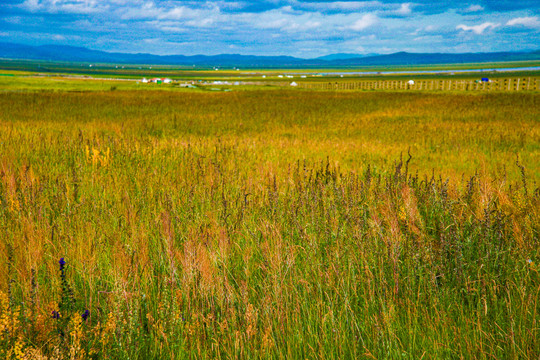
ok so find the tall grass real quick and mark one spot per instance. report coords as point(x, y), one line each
point(280, 224)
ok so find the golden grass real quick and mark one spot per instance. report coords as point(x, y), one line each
point(269, 224)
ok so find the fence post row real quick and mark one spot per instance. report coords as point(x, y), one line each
point(504, 84)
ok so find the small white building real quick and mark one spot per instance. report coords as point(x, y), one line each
point(144, 80)
point(294, 84)
point(166, 80)
point(410, 82)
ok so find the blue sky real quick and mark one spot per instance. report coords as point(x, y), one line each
point(274, 27)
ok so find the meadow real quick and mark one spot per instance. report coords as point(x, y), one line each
point(279, 224)
point(52, 75)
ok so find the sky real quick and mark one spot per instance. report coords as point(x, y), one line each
point(304, 29)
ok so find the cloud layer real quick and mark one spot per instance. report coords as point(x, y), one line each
point(270, 27)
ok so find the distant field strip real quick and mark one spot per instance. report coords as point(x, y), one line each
point(499, 84)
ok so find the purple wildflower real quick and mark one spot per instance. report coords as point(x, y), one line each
point(85, 314)
point(55, 314)
point(62, 263)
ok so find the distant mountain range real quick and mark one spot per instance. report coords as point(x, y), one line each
point(343, 56)
point(81, 54)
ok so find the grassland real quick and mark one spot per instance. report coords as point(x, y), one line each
point(269, 224)
point(56, 69)
point(168, 70)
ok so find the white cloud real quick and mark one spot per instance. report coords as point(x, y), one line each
point(429, 38)
point(282, 19)
point(32, 5)
point(532, 22)
point(478, 29)
point(404, 9)
point(13, 19)
point(473, 8)
point(273, 24)
point(364, 22)
point(172, 29)
point(203, 16)
point(207, 22)
point(289, 25)
point(145, 11)
point(65, 6)
point(312, 25)
point(340, 5)
point(183, 12)
point(427, 30)
point(151, 40)
point(360, 49)
point(176, 13)
point(45, 36)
